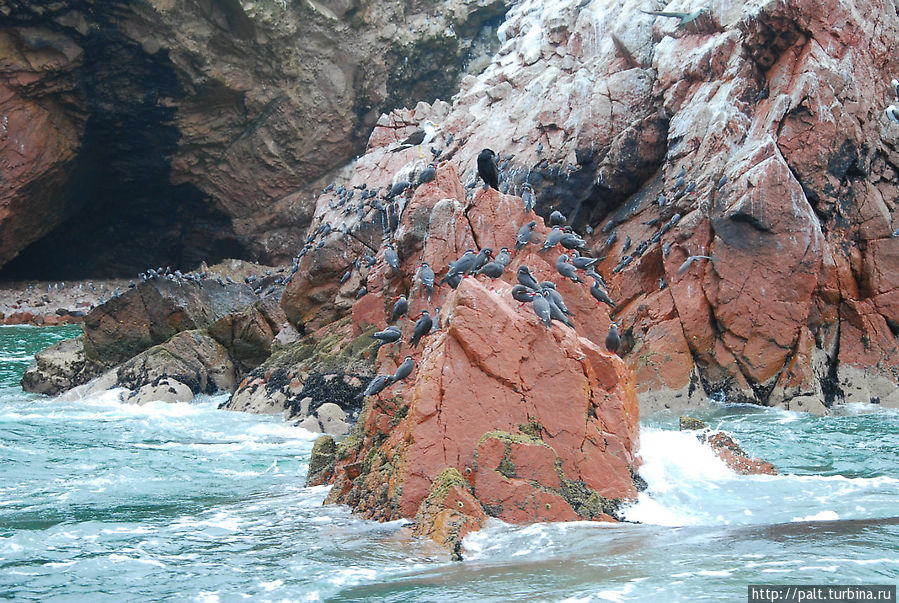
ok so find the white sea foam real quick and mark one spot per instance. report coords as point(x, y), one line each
point(820, 516)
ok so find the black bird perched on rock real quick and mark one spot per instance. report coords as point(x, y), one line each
point(613, 340)
point(557, 218)
point(463, 265)
point(388, 335)
point(600, 295)
point(553, 238)
point(403, 370)
point(524, 235)
point(400, 307)
point(376, 386)
point(422, 328)
point(555, 312)
point(566, 269)
point(361, 292)
point(487, 169)
point(554, 296)
point(526, 278)
point(428, 174)
point(571, 240)
point(452, 280)
point(398, 188)
point(582, 262)
point(528, 198)
point(483, 257)
point(393, 260)
point(426, 275)
point(504, 257)
point(542, 309)
point(522, 294)
point(492, 269)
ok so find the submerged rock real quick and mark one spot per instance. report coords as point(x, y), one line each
point(727, 449)
point(60, 367)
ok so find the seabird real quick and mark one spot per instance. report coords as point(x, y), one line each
point(426, 275)
point(422, 328)
point(571, 240)
point(419, 138)
point(613, 340)
point(492, 269)
point(566, 269)
point(542, 309)
point(600, 295)
point(528, 198)
point(403, 370)
point(524, 235)
point(376, 386)
point(557, 218)
point(400, 307)
point(684, 17)
point(504, 257)
point(686, 265)
point(555, 235)
point(487, 169)
point(582, 262)
point(555, 312)
point(483, 257)
point(428, 174)
point(554, 296)
point(526, 278)
point(463, 265)
point(523, 294)
point(393, 260)
point(893, 113)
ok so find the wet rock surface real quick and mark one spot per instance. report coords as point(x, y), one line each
point(727, 449)
point(60, 368)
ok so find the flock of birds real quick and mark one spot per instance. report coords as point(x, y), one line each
point(543, 297)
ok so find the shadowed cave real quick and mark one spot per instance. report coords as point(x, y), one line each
point(124, 215)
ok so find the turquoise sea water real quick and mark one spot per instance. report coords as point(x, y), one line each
point(104, 501)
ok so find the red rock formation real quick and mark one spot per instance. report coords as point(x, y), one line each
point(541, 423)
point(774, 116)
point(736, 458)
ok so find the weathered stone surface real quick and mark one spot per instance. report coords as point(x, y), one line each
point(542, 423)
point(153, 312)
point(60, 367)
point(727, 449)
point(161, 390)
point(675, 142)
point(331, 366)
point(449, 512)
point(249, 334)
point(192, 358)
point(736, 458)
point(212, 112)
point(321, 463)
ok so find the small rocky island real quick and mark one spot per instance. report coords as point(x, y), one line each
point(723, 191)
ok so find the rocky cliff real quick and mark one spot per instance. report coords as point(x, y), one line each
point(143, 133)
point(737, 174)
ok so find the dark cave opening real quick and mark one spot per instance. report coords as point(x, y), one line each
point(124, 214)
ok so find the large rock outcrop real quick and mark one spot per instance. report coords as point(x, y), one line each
point(541, 423)
point(754, 136)
point(154, 311)
point(172, 132)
